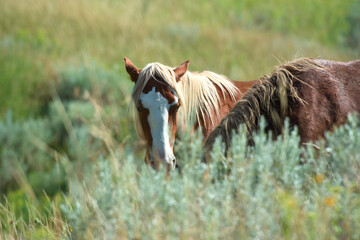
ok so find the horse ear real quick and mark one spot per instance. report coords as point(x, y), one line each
point(181, 70)
point(132, 70)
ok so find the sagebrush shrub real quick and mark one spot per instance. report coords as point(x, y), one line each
point(274, 189)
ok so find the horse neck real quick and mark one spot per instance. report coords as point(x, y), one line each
point(256, 102)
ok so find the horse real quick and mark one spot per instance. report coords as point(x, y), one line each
point(315, 95)
point(167, 98)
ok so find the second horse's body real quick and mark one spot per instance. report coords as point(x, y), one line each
point(316, 95)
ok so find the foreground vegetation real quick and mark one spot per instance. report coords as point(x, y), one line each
point(276, 190)
point(71, 165)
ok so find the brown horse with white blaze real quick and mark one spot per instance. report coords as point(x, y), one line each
point(316, 95)
point(167, 98)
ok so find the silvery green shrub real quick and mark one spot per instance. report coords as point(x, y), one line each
point(272, 190)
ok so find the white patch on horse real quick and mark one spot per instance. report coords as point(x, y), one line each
point(158, 118)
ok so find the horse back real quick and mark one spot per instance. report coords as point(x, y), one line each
point(330, 94)
point(347, 77)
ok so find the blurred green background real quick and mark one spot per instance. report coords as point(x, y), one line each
point(241, 39)
point(65, 95)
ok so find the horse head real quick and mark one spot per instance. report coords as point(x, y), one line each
point(157, 102)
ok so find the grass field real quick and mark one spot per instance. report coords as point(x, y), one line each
point(71, 165)
point(241, 40)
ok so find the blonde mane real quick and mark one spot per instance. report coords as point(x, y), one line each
point(201, 90)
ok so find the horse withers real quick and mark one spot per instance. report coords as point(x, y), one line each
point(168, 98)
point(316, 95)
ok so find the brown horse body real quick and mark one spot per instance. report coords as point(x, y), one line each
point(316, 96)
point(168, 98)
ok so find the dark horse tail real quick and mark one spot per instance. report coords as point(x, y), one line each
point(269, 98)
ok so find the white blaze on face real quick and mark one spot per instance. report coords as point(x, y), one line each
point(158, 120)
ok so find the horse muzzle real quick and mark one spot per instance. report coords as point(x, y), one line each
point(169, 161)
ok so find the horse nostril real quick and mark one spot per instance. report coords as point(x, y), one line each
point(173, 162)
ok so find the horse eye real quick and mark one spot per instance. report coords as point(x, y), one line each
point(139, 109)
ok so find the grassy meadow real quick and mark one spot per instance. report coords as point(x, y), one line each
point(71, 164)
